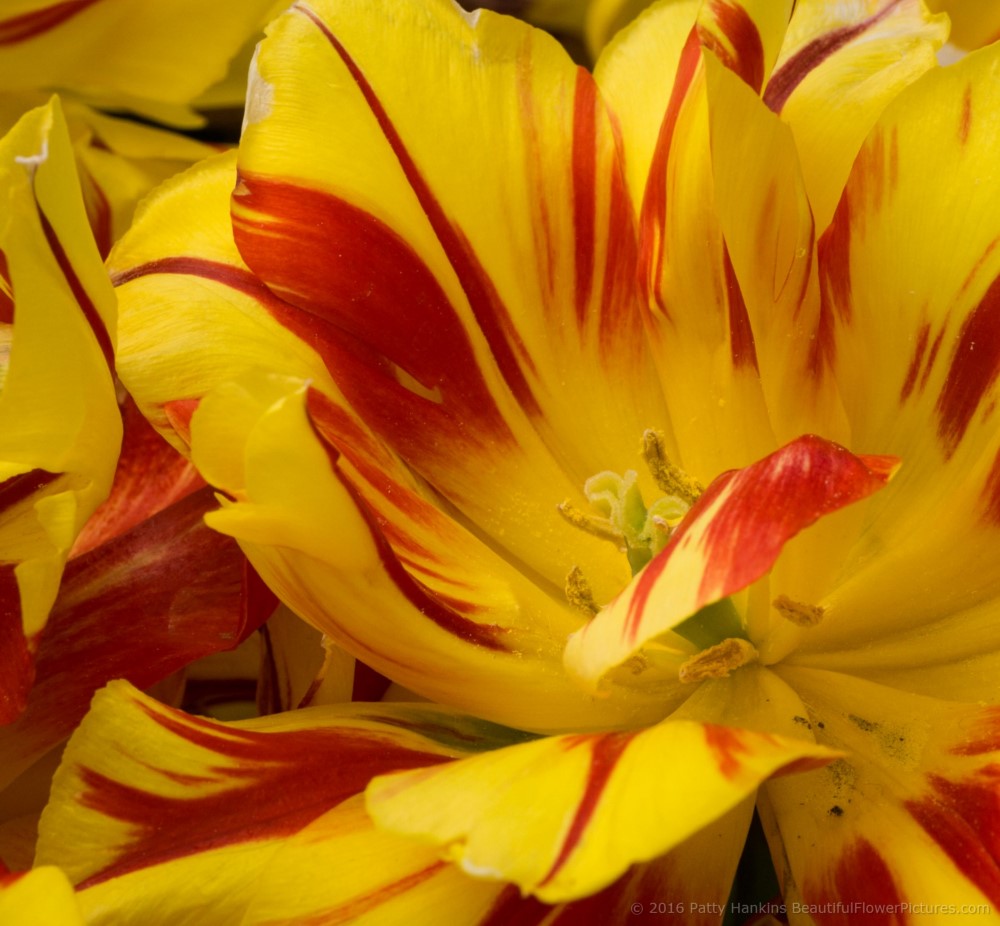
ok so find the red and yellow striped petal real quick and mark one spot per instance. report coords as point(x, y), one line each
point(563, 817)
point(149, 801)
point(840, 65)
point(770, 257)
point(59, 422)
point(493, 296)
point(344, 535)
point(732, 536)
point(909, 816)
point(138, 607)
point(44, 895)
point(153, 58)
point(912, 320)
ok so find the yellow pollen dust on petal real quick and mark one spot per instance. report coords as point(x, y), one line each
point(802, 615)
point(671, 479)
point(718, 661)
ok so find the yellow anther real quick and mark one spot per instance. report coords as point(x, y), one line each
point(579, 593)
point(718, 661)
point(671, 479)
point(802, 615)
point(599, 527)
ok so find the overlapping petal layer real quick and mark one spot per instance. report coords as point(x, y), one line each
point(149, 800)
point(563, 817)
point(909, 816)
point(191, 313)
point(59, 422)
point(153, 58)
point(40, 896)
point(428, 585)
point(912, 329)
point(521, 354)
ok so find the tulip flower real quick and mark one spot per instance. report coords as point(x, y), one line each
point(650, 412)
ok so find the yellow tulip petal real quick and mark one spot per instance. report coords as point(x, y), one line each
point(398, 584)
point(974, 23)
point(605, 18)
point(521, 359)
point(910, 816)
point(59, 422)
point(912, 328)
point(731, 538)
point(43, 895)
point(637, 73)
point(706, 358)
point(564, 816)
point(770, 255)
point(840, 64)
point(152, 58)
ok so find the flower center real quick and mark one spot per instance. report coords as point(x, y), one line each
point(638, 530)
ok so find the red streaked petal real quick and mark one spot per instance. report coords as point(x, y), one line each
point(142, 784)
point(598, 803)
point(910, 815)
point(138, 607)
point(525, 312)
point(731, 538)
point(150, 476)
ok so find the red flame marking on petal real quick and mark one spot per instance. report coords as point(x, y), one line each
point(741, 341)
point(80, 294)
point(784, 80)
point(278, 783)
point(6, 297)
point(28, 25)
point(919, 349)
point(15, 651)
point(862, 876)
point(606, 750)
point(487, 306)
point(965, 119)
point(421, 598)
point(747, 59)
point(974, 368)
point(963, 818)
point(654, 200)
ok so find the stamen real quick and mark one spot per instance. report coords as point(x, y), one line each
point(599, 527)
point(671, 479)
point(802, 615)
point(718, 661)
point(579, 593)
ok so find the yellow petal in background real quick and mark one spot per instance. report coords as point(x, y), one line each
point(60, 428)
point(43, 896)
point(150, 58)
point(563, 817)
